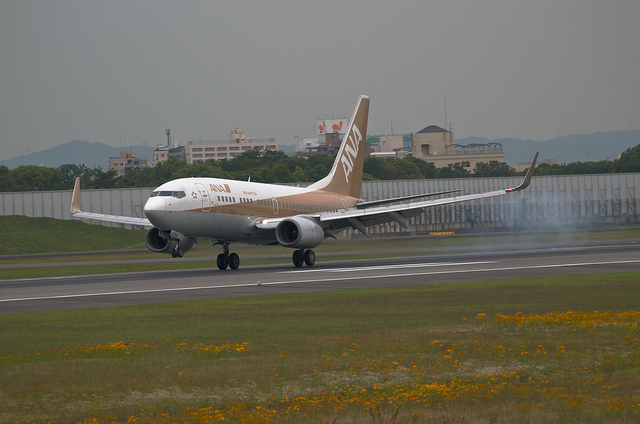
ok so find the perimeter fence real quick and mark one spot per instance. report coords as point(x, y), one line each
point(551, 202)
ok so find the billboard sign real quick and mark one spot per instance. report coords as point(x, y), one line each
point(330, 126)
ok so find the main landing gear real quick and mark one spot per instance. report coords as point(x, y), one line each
point(301, 257)
point(232, 260)
point(226, 259)
point(177, 252)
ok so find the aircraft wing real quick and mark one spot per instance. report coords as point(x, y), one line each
point(131, 220)
point(77, 213)
point(362, 217)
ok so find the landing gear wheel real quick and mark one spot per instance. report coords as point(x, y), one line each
point(309, 258)
point(234, 261)
point(222, 262)
point(298, 258)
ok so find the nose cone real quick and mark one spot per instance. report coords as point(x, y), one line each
point(155, 209)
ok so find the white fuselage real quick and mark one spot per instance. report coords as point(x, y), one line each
point(228, 210)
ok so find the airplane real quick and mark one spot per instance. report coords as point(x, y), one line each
point(226, 211)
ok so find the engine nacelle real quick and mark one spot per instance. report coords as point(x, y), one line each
point(299, 233)
point(162, 242)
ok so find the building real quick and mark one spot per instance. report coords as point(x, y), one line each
point(390, 146)
point(331, 131)
point(201, 151)
point(432, 144)
point(306, 143)
point(125, 162)
point(238, 142)
point(436, 145)
point(163, 153)
point(329, 137)
point(326, 145)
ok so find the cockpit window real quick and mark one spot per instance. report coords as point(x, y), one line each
point(176, 194)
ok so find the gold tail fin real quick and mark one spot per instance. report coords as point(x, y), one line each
point(346, 174)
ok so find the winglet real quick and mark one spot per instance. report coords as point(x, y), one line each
point(527, 179)
point(75, 198)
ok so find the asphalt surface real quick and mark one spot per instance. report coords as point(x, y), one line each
point(43, 294)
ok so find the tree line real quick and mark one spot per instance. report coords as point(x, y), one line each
point(277, 167)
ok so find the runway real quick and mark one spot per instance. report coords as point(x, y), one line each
point(44, 294)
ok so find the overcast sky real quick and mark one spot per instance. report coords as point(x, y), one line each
point(121, 72)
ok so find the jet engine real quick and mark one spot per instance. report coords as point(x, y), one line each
point(162, 242)
point(299, 232)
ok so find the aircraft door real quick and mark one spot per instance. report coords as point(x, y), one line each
point(275, 205)
point(204, 196)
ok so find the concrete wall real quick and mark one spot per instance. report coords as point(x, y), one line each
point(550, 202)
point(56, 204)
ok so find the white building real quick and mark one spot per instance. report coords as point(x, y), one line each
point(201, 151)
point(238, 142)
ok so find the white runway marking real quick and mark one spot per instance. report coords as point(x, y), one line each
point(383, 267)
point(319, 280)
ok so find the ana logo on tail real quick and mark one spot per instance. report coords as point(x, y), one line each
point(350, 151)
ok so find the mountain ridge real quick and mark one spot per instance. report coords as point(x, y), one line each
point(604, 145)
point(77, 152)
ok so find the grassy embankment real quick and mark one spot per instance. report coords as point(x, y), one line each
point(455, 353)
point(24, 235)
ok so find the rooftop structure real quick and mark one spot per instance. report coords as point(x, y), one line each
point(125, 162)
point(436, 145)
point(201, 151)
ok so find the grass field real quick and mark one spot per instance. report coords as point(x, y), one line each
point(43, 235)
point(23, 235)
point(556, 349)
